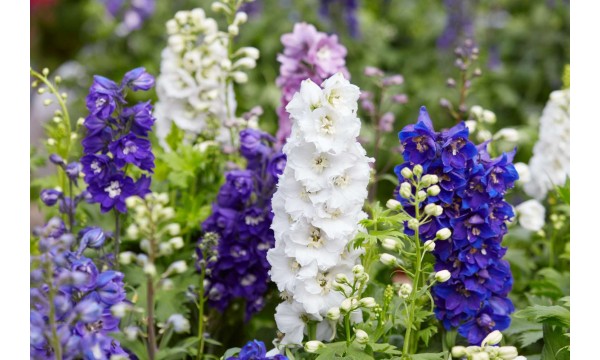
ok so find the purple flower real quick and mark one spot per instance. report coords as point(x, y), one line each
point(50, 196)
point(133, 150)
point(140, 116)
point(86, 269)
point(252, 144)
point(72, 170)
point(138, 79)
point(277, 164)
point(112, 194)
point(103, 97)
point(97, 142)
point(109, 287)
point(97, 168)
point(419, 140)
point(238, 186)
point(93, 238)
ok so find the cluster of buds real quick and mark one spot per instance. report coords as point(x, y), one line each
point(480, 124)
point(488, 350)
point(157, 234)
point(466, 58)
point(378, 104)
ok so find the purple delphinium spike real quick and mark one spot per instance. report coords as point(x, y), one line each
point(459, 23)
point(241, 222)
point(348, 8)
point(475, 299)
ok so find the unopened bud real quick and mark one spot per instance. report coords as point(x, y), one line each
point(45, 71)
point(239, 77)
point(429, 179)
point(442, 276)
point(406, 173)
point(126, 257)
point(176, 242)
point(348, 305)
point(313, 346)
point(173, 229)
point(433, 190)
point(120, 310)
point(492, 338)
point(459, 351)
point(429, 245)
point(178, 267)
point(405, 290)
point(421, 195)
point(488, 117)
point(480, 356)
point(368, 302)
point(443, 234)
point(413, 224)
point(389, 244)
point(418, 170)
point(405, 190)
point(149, 269)
point(333, 314)
point(507, 134)
point(358, 270)
point(341, 278)
point(393, 204)
point(362, 337)
point(508, 352)
point(387, 259)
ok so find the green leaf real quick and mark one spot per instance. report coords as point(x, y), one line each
point(175, 137)
point(331, 350)
point(553, 315)
point(426, 333)
point(231, 352)
point(135, 346)
point(429, 356)
point(556, 344)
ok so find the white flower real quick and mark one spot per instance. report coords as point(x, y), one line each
point(179, 323)
point(550, 164)
point(318, 206)
point(531, 214)
point(178, 267)
point(524, 172)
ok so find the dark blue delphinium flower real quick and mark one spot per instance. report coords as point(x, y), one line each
point(241, 221)
point(117, 136)
point(473, 186)
point(255, 350)
point(349, 8)
point(80, 296)
point(459, 23)
point(131, 13)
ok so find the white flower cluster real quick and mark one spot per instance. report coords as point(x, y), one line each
point(550, 164)
point(194, 87)
point(488, 350)
point(318, 205)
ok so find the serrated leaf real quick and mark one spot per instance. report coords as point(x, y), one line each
point(429, 356)
point(530, 337)
point(554, 315)
point(555, 344)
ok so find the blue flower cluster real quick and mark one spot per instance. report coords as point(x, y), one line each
point(255, 350)
point(82, 297)
point(472, 186)
point(241, 220)
point(117, 137)
point(349, 8)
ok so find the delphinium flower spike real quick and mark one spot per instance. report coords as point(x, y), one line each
point(317, 207)
point(471, 192)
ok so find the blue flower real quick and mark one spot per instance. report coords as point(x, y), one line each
point(419, 141)
point(50, 196)
point(138, 79)
point(113, 193)
point(131, 149)
point(255, 350)
point(97, 168)
point(140, 118)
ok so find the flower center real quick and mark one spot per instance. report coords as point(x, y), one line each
point(341, 181)
point(327, 125)
point(320, 163)
point(130, 148)
point(248, 280)
point(100, 102)
point(315, 239)
point(457, 145)
point(420, 141)
point(113, 190)
point(324, 53)
point(96, 167)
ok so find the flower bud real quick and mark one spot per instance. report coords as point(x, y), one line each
point(131, 333)
point(430, 209)
point(179, 323)
point(178, 267)
point(126, 257)
point(358, 270)
point(313, 346)
point(507, 134)
point(405, 290)
point(94, 238)
point(429, 245)
point(133, 231)
point(393, 204)
point(443, 234)
point(488, 117)
point(362, 337)
point(165, 249)
point(433, 190)
point(459, 351)
point(173, 229)
point(119, 310)
point(176, 242)
point(389, 244)
point(239, 77)
point(442, 276)
point(480, 356)
point(367, 302)
point(471, 125)
point(492, 338)
point(341, 278)
point(508, 352)
point(429, 179)
point(418, 170)
point(421, 195)
point(406, 190)
point(149, 269)
point(413, 224)
point(406, 173)
point(484, 135)
point(333, 314)
point(388, 259)
point(346, 305)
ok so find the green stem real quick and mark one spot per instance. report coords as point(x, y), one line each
point(413, 295)
point(200, 353)
point(347, 326)
point(150, 306)
point(117, 238)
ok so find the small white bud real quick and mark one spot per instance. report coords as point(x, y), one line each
point(389, 244)
point(492, 338)
point(488, 117)
point(421, 196)
point(333, 314)
point(176, 43)
point(413, 224)
point(120, 310)
point(240, 18)
point(132, 201)
point(197, 16)
point(56, 119)
point(165, 249)
point(477, 111)
point(367, 302)
point(393, 204)
point(182, 16)
point(484, 135)
point(362, 337)
point(217, 6)
point(443, 234)
point(508, 352)
point(358, 270)
point(250, 52)
point(45, 71)
point(131, 333)
point(166, 284)
point(179, 323)
point(429, 179)
point(145, 245)
point(406, 173)
point(168, 213)
point(132, 231)
point(433, 190)
point(388, 260)
point(438, 210)
point(442, 276)
point(348, 305)
point(430, 209)
point(313, 346)
point(233, 30)
point(176, 242)
point(471, 125)
point(524, 172)
point(429, 245)
point(51, 142)
point(405, 290)
point(173, 229)
point(149, 269)
point(172, 27)
point(418, 170)
point(341, 278)
point(239, 77)
point(480, 356)
point(406, 190)
point(126, 257)
point(520, 357)
point(178, 267)
point(80, 121)
point(245, 62)
point(459, 351)
point(507, 134)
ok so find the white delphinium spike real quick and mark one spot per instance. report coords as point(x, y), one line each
point(317, 206)
point(550, 164)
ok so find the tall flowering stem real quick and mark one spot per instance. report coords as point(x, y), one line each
point(469, 203)
point(307, 54)
point(317, 207)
